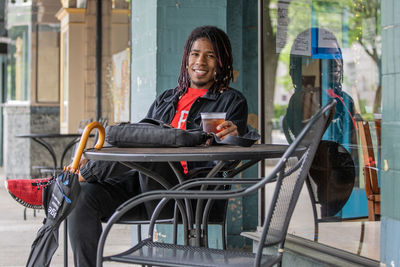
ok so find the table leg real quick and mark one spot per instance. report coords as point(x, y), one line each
point(158, 178)
point(179, 174)
point(199, 204)
point(189, 212)
point(66, 149)
point(195, 234)
point(208, 205)
point(49, 148)
point(65, 243)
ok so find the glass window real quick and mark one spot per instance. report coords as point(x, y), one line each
point(48, 51)
point(330, 49)
point(19, 2)
point(120, 4)
point(64, 77)
point(18, 67)
point(118, 71)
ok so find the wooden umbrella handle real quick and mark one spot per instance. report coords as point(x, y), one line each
point(83, 141)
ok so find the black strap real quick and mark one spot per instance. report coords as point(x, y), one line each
point(246, 140)
point(155, 122)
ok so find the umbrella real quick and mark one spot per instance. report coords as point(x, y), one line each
point(59, 198)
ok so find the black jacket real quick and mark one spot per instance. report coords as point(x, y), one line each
point(164, 108)
point(232, 102)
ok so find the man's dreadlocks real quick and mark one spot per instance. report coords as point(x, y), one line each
point(223, 52)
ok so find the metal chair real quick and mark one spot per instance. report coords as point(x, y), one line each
point(288, 179)
point(372, 188)
point(217, 211)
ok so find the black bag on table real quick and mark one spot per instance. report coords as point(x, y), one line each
point(155, 133)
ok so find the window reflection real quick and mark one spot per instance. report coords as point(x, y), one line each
point(316, 69)
point(331, 49)
point(18, 74)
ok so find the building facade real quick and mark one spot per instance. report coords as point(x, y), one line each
point(31, 98)
point(290, 57)
point(50, 83)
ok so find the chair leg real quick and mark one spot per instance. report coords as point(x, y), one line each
point(377, 211)
point(360, 245)
point(139, 232)
point(373, 213)
point(139, 236)
point(223, 234)
point(65, 244)
point(175, 226)
point(314, 208)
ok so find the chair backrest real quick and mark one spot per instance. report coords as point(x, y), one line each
point(370, 174)
point(290, 173)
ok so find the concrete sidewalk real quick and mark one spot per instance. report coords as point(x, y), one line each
point(17, 234)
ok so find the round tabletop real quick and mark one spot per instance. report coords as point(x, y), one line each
point(48, 135)
point(199, 153)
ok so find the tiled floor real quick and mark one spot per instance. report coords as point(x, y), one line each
point(360, 237)
point(18, 234)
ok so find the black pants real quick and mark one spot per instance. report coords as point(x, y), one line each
point(98, 201)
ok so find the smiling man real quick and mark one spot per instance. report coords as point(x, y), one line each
point(203, 86)
point(202, 64)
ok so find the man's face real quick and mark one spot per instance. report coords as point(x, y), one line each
point(201, 64)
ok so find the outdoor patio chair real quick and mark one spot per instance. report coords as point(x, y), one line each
point(217, 211)
point(288, 179)
point(372, 188)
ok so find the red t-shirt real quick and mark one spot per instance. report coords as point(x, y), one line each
point(183, 107)
point(182, 111)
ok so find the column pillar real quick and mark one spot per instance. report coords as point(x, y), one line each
point(72, 90)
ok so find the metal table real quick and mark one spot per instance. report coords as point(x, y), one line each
point(221, 155)
point(199, 153)
point(41, 139)
point(132, 157)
